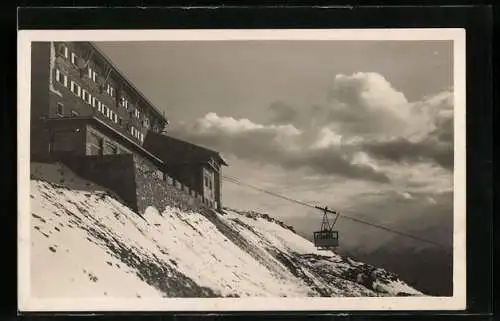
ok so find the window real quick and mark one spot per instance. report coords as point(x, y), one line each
point(89, 72)
point(58, 76)
point(60, 109)
point(99, 106)
point(113, 116)
point(105, 110)
point(136, 133)
point(74, 113)
point(75, 88)
point(94, 102)
point(94, 76)
point(73, 58)
point(120, 121)
point(146, 122)
point(110, 90)
point(86, 96)
point(61, 78)
point(206, 181)
point(137, 113)
point(124, 102)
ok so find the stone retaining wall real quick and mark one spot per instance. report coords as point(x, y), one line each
point(137, 181)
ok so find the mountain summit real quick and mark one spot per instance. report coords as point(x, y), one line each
point(86, 243)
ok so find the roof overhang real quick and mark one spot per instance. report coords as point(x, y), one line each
point(102, 125)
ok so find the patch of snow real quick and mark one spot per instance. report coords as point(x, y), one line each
point(86, 243)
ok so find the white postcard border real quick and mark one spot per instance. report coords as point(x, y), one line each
point(456, 302)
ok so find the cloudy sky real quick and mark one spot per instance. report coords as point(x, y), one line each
point(365, 127)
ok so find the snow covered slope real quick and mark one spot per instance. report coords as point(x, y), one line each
point(85, 243)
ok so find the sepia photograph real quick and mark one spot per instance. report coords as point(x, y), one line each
point(214, 170)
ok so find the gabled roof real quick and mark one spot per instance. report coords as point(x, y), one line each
point(173, 150)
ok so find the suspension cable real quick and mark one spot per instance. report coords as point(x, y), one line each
point(357, 220)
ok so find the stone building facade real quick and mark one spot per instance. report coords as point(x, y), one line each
point(87, 114)
point(198, 167)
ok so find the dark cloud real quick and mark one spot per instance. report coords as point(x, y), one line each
point(365, 120)
point(403, 150)
point(324, 161)
point(281, 145)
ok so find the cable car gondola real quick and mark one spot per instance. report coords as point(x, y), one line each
point(326, 238)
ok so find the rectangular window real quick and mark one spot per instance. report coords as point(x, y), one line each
point(60, 109)
point(73, 58)
point(94, 76)
point(89, 72)
point(146, 122)
point(75, 88)
point(137, 113)
point(59, 76)
point(99, 106)
point(136, 133)
point(115, 119)
point(94, 102)
point(110, 90)
point(124, 102)
point(85, 96)
point(105, 110)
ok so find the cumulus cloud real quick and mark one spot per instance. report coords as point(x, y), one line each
point(366, 111)
point(365, 121)
point(284, 145)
